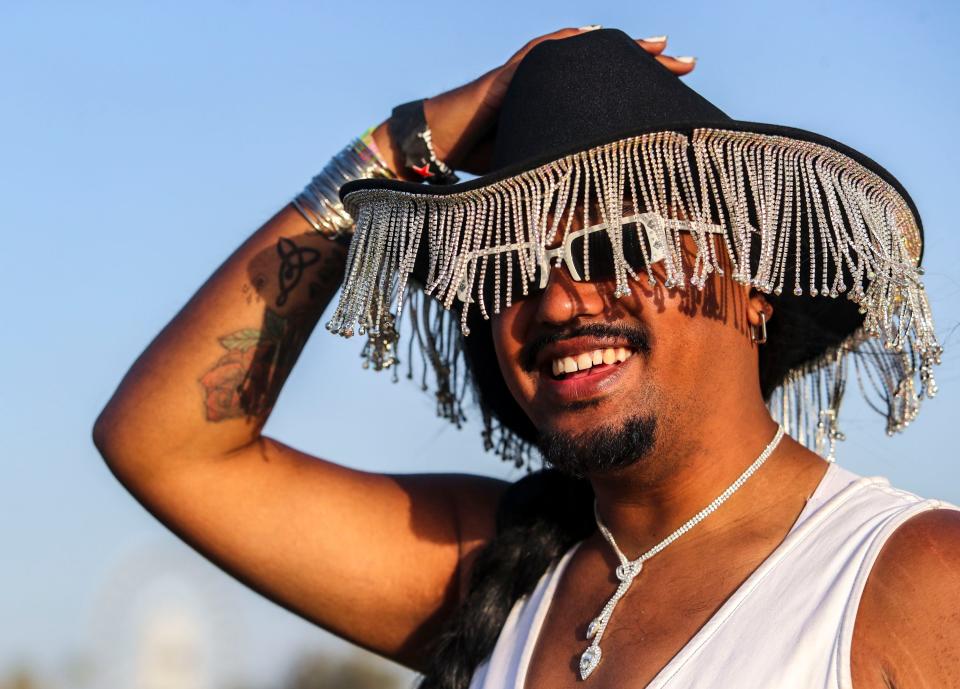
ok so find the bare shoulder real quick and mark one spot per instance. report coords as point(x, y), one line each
point(907, 632)
point(473, 501)
point(476, 516)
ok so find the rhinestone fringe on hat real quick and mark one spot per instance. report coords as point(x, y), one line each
point(805, 204)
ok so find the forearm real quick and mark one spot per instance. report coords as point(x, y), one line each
point(208, 381)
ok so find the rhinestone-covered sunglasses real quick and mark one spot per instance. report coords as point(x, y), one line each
point(587, 254)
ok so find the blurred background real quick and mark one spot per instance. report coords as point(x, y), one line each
point(140, 143)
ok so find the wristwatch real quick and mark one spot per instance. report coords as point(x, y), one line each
point(408, 128)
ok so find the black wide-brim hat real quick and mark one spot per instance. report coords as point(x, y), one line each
point(596, 118)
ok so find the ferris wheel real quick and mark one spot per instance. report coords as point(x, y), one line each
point(164, 619)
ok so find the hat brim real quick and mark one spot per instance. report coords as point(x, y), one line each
point(686, 128)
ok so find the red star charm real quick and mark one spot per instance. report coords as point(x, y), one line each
point(423, 171)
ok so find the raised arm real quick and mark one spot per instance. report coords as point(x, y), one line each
point(370, 557)
point(377, 559)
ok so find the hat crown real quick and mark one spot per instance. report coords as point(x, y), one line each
point(589, 88)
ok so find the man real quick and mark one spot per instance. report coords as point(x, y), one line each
point(631, 349)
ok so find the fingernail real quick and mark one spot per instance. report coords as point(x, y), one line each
point(589, 27)
point(686, 59)
point(655, 39)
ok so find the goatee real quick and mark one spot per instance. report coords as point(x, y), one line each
point(599, 450)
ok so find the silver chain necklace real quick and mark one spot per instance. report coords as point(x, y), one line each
point(628, 569)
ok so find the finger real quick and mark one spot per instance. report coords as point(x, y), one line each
point(678, 65)
point(653, 45)
point(553, 35)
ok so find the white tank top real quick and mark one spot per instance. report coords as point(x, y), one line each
point(799, 605)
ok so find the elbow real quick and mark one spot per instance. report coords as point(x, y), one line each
point(133, 447)
point(106, 438)
point(103, 436)
point(114, 443)
point(114, 432)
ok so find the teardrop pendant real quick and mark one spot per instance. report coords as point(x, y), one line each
point(589, 661)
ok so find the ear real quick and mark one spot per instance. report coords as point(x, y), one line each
point(757, 304)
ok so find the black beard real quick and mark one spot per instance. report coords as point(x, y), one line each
point(601, 449)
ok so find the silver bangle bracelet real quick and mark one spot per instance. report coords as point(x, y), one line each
point(319, 202)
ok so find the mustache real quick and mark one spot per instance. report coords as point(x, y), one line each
point(637, 337)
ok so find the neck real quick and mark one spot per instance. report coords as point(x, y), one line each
point(646, 502)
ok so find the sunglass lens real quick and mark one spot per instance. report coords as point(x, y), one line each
point(496, 273)
point(597, 250)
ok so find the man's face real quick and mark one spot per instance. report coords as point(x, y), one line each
point(604, 380)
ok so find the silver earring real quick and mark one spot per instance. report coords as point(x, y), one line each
point(763, 330)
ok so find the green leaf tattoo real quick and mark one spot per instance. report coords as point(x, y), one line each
point(242, 339)
point(246, 380)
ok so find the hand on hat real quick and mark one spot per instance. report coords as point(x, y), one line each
point(460, 119)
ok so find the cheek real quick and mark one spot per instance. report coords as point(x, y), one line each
point(691, 349)
point(507, 329)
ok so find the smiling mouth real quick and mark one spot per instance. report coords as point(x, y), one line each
point(588, 363)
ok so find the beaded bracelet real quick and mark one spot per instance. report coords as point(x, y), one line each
point(319, 202)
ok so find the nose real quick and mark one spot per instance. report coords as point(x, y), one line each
point(564, 299)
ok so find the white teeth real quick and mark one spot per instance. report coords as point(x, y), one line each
point(581, 362)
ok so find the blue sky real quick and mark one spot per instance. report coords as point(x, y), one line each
point(140, 143)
